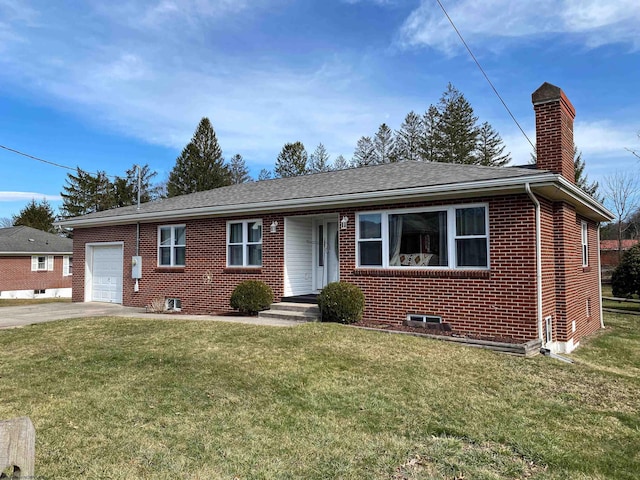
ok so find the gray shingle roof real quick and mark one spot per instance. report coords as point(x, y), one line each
point(378, 178)
point(30, 240)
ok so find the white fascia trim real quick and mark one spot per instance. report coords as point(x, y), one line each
point(23, 254)
point(580, 196)
point(447, 190)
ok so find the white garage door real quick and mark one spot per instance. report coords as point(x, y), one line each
point(106, 278)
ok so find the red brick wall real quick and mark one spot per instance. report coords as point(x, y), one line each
point(566, 283)
point(16, 274)
point(501, 301)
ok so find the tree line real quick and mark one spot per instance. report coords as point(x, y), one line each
point(448, 131)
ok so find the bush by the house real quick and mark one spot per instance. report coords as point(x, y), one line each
point(251, 296)
point(625, 280)
point(341, 302)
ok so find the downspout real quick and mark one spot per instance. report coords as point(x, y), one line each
point(535, 201)
point(600, 280)
point(136, 286)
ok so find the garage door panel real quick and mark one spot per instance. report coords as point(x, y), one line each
point(106, 282)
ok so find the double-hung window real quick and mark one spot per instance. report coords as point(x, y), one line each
point(172, 242)
point(434, 237)
point(244, 243)
point(585, 244)
point(42, 263)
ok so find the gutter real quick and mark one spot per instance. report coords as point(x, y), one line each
point(600, 281)
point(536, 203)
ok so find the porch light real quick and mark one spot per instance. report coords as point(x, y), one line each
point(343, 223)
point(274, 226)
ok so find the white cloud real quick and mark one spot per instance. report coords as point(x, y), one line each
point(27, 196)
point(592, 22)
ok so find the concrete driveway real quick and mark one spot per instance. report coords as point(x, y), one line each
point(11, 317)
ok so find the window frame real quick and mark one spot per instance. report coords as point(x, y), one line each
point(452, 236)
point(67, 265)
point(245, 243)
point(584, 233)
point(47, 263)
point(172, 246)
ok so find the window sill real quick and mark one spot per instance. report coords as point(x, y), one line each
point(167, 269)
point(394, 272)
point(586, 269)
point(254, 270)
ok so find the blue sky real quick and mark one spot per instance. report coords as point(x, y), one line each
point(104, 85)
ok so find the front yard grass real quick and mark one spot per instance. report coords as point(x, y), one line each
point(120, 398)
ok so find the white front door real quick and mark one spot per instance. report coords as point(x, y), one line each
point(326, 259)
point(106, 274)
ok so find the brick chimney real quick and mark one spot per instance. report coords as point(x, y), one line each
point(554, 130)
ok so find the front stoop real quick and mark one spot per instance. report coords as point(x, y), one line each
point(299, 312)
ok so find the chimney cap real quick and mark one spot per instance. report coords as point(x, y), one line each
point(550, 93)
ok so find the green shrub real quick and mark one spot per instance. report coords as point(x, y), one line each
point(625, 280)
point(251, 296)
point(341, 302)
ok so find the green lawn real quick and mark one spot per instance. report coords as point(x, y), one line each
point(120, 399)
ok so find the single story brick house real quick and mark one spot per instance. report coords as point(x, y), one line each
point(491, 251)
point(34, 264)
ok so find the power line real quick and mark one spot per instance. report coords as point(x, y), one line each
point(485, 75)
point(18, 152)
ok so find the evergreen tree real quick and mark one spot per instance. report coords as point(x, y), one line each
point(457, 128)
point(291, 161)
point(364, 154)
point(238, 170)
point(36, 215)
point(340, 163)
point(431, 138)
point(383, 144)
point(408, 139)
point(319, 160)
point(581, 178)
point(86, 193)
point(489, 148)
point(264, 174)
point(200, 166)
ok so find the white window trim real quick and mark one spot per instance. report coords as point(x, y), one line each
point(584, 228)
point(245, 241)
point(172, 245)
point(451, 237)
point(48, 263)
point(66, 263)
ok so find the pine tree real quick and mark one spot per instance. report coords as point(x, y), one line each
point(489, 148)
point(238, 170)
point(383, 143)
point(431, 137)
point(407, 142)
point(36, 215)
point(457, 128)
point(581, 178)
point(291, 161)
point(340, 163)
point(319, 160)
point(200, 166)
point(364, 154)
point(264, 174)
point(86, 193)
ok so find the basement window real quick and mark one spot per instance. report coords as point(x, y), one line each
point(424, 318)
point(39, 291)
point(173, 305)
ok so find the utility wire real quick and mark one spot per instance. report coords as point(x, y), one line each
point(484, 73)
point(48, 162)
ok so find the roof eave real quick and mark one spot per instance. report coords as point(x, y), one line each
point(433, 192)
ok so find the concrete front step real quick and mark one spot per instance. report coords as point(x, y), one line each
point(300, 312)
point(296, 307)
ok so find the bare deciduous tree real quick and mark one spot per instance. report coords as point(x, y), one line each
point(620, 191)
